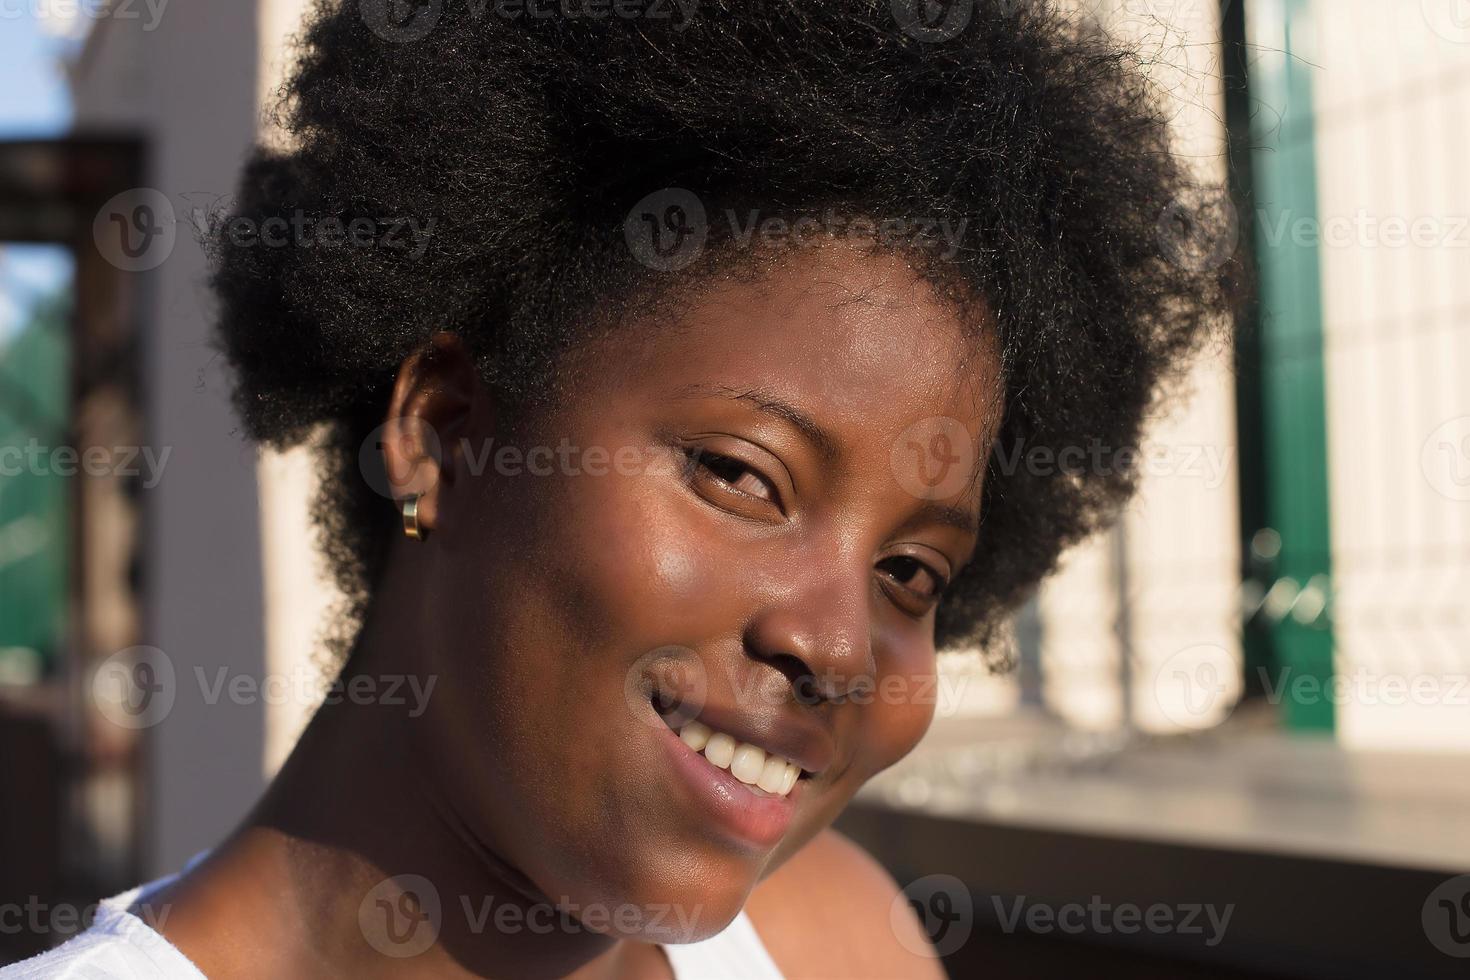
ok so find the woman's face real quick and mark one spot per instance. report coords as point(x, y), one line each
point(742, 517)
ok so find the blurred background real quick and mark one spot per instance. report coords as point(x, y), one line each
point(1237, 739)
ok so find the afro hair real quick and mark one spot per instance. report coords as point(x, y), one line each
point(524, 131)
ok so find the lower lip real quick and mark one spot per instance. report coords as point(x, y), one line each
point(755, 820)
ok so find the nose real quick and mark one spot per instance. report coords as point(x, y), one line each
point(818, 630)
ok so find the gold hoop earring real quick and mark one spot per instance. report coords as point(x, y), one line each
point(411, 527)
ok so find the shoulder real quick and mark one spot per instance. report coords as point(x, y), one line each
point(117, 946)
point(832, 910)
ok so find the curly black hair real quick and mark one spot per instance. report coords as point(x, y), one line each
point(526, 134)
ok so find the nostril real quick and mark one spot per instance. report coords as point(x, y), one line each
point(806, 689)
point(793, 667)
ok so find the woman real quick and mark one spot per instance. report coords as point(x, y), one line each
point(661, 359)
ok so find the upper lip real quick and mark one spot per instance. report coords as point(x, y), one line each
point(797, 739)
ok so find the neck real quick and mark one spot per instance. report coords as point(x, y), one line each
point(355, 864)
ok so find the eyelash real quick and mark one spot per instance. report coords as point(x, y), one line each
point(697, 458)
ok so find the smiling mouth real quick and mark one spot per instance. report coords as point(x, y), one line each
point(763, 773)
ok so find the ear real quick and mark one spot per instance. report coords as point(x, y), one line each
point(432, 397)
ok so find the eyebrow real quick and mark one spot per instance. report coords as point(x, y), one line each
point(962, 518)
point(771, 404)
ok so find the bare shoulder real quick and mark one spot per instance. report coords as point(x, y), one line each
point(829, 911)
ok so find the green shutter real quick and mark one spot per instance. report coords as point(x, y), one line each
point(1292, 389)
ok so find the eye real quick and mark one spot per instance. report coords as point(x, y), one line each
point(917, 587)
point(726, 474)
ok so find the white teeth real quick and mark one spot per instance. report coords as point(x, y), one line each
point(720, 749)
point(789, 779)
point(748, 763)
point(773, 774)
point(695, 735)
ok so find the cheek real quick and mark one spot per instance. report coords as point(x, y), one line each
point(639, 575)
point(902, 706)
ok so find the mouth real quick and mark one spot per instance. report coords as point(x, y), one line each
point(762, 771)
point(740, 788)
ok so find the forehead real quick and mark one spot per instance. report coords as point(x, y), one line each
point(860, 340)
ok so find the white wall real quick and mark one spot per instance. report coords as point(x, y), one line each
point(189, 85)
point(1392, 97)
point(1168, 575)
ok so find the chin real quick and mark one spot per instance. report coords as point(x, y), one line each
point(680, 898)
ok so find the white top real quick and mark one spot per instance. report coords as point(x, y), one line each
point(121, 946)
